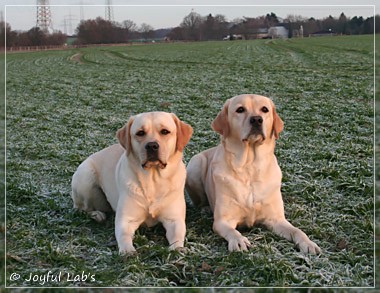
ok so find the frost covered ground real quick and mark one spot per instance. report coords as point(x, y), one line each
point(64, 105)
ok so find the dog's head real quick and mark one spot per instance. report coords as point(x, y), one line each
point(154, 137)
point(249, 118)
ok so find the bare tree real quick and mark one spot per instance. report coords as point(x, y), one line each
point(147, 31)
point(191, 25)
point(214, 27)
point(129, 25)
point(294, 22)
point(130, 28)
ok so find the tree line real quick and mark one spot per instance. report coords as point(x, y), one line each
point(92, 31)
point(194, 27)
point(101, 31)
point(33, 37)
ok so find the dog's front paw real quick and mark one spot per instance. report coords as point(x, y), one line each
point(127, 253)
point(177, 245)
point(309, 247)
point(127, 250)
point(239, 243)
point(98, 216)
point(182, 250)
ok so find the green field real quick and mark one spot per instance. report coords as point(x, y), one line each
point(64, 105)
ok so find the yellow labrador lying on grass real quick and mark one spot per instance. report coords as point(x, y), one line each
point(240, 178)
point(142, 179)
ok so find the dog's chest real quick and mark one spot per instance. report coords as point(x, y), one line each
point(155, 193)
point(250, 197)
point(251, 205)
point(153, 198)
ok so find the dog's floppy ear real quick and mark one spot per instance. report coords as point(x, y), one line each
point(184, 132)
point(124, 135)
point(278, 124)
point(220, 123)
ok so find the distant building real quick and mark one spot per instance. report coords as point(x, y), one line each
point(298, 33)
point(278, 32)
point(262, 33)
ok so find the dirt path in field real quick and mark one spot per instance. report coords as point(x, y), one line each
point(77, 58)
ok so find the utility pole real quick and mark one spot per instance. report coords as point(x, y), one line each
point(109, 10)
point(44, 16)
point(68, 24)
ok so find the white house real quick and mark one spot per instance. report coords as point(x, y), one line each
point(278, 32)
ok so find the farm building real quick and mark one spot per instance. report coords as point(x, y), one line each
point(278, 32)
point(262, 33)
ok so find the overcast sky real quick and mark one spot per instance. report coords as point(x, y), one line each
point(66, 14)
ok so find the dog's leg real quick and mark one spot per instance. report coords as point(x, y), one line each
point(86, 193)
point(129, 216)
point(175, 232)
point(285, 229)
point(196, 172)
point(227, 229)
point(125, 231)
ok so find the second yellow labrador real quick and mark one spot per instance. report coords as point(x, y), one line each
point(142, 179)
point(240, 178)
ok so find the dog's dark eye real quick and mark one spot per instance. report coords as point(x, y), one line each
point(265, 110)
point(165, 132)
point(140, 133)
point(240, 110)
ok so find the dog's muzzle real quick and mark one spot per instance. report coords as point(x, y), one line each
point(256, 123)
point(152, 149)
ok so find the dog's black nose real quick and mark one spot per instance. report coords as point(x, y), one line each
point(256, 120)
point(152, 146)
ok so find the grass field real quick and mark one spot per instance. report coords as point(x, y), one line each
point(64, 105)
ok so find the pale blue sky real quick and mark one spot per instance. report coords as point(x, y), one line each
point(21, 14)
